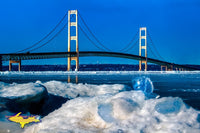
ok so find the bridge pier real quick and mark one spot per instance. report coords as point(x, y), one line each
point(167, 68)
point(170, 68)
point(161, 67)
point(181, 69)
point(14, 61)
point(69, 63)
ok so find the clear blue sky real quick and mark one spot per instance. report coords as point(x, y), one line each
point(173, 24)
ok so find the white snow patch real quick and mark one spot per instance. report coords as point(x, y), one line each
point(14, 90)
point(70, 90)
point(124, 112)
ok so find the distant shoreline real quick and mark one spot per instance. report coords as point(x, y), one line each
point(87, 67)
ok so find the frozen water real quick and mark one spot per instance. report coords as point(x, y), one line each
point(123, 107)
point(121, 112)
point(21, 97)
point(105, 112)
point(144, 84)
point(106, 108)
point(171, 105)
point(69, 90)
point(21, 91)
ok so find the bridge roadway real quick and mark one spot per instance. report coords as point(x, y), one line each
point(49, 55)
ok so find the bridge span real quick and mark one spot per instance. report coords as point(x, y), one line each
point(16, 58)
point(74, 55)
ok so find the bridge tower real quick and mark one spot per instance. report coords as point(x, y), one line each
point(143, 47)
point(73, 38)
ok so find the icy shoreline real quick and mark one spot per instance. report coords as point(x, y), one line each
point(94, 72)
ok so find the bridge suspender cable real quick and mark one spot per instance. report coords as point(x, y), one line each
point(44, 36)
point(128, 45)
point(152, 44)
point(92, 33)
point(89, 38)
point(135, 44)
point(51, 38)
point(149, 48)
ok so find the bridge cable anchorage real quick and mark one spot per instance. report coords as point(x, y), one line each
point(90, 38)
point(50, 39)
point(154, 46)
point(92, 33)
point(135, 44)
point(38, 42)
point(131, 41)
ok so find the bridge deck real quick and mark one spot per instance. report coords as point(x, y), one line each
point(31, 56)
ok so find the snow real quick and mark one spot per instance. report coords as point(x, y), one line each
point(69, 90)
point(21, 97)
point(121, 112)
point(169, 106)
point(23, 91)
point(105, 108)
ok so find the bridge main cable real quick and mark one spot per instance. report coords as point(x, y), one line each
point(92, 33)
point(50, 39)
point(90, 38)
point(154, 47)
point(132, 46)
point(38, 42)
point(131, 41)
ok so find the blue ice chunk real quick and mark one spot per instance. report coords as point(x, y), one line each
point(144, 84)
point(172, 105)
point(105, 112)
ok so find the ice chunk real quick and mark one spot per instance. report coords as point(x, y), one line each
point(122, 112)
point(105, 111)
point(144, 84)
point(22, 97)
point(69, 90)
point(170, 105)
point(21, 91)
point(123, 107)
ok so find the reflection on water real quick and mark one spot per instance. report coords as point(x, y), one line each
point(69, 79)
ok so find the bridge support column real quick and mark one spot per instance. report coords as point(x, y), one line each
point(170, 68)
point(161, 67)
point(73, 38)
point(14, 61)
point(143, 47)
point(181, 69)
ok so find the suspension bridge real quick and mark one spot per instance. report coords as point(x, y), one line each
point(73, 15)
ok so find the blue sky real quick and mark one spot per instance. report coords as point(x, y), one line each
point(174, 26)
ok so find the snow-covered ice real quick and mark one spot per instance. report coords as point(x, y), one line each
point(20, 91)
point(105, 108)
point(21, 97)
point(70, 90)
point(122, 112)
